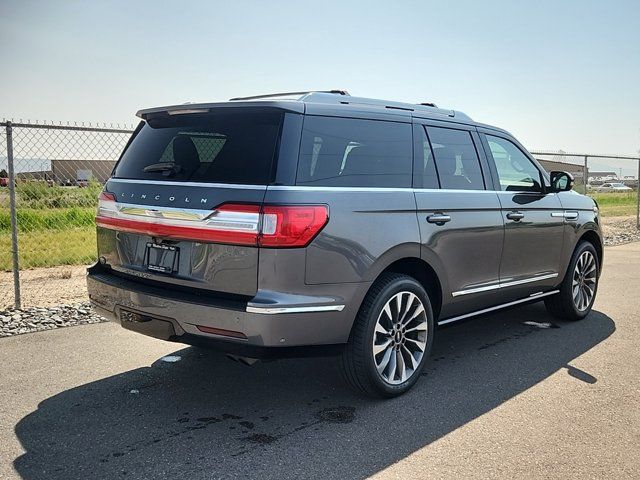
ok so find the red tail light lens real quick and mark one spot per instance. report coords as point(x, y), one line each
point(274, 226)
point(291, 225)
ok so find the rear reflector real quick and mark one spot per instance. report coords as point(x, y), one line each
point(221, 331)
point(274, 226)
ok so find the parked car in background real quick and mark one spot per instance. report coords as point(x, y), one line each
point(616, 187)
point(271, 227)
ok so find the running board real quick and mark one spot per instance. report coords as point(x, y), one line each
point(530, 298)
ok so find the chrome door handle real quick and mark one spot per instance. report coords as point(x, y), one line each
point(515, 216)
point(439, 218)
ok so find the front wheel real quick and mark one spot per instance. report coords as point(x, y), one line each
point(391, 337)
point(579, 287)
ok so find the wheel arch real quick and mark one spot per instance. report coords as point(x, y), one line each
point(593, 238)
point(424, 273)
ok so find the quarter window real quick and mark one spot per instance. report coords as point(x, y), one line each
point(354, 153)
point(424, 174)
point(515, 171)
point(456, 159)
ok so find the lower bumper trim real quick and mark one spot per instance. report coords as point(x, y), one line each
point(275, 310)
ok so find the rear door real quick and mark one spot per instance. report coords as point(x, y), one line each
point(460, 221)
point(182, 207)
point(533, 219)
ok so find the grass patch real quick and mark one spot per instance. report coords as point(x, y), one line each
point(50, 248)
point(616, 204)
point(31, 219)
point(39, 195)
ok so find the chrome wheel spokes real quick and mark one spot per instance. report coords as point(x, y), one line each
point(584, 281)
point(400, 337)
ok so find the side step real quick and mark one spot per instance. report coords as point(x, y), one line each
point(531, 298)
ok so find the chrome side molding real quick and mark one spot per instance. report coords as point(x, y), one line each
point(530, 298)
point(498, 285)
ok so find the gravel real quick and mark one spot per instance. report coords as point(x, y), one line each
point(620, 230)
point(15, 322)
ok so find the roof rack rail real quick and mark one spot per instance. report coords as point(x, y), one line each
point(287, 94)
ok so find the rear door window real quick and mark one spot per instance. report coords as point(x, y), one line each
point(456, 159)
point(222, 147)
point(350, 152)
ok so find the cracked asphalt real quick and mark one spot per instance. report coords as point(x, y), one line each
point(499, 399)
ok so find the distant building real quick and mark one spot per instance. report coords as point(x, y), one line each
point(74, 171)
point(574, 169)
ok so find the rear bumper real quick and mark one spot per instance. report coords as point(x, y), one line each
point(270, 325)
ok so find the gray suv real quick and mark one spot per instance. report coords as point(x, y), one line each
point(319, 223)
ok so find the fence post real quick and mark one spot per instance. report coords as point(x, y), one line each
point(585, 174)
point(638, 199)
point(14, 219)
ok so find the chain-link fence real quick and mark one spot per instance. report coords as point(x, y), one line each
point(51, 175)
point(50, 178)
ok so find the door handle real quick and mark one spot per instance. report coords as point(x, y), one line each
point(439, 218)
point(515, 216)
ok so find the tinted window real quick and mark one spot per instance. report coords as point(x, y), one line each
point(456, 159)
point(424, 174)
point(515, 171)
point(354, 153)
point(228, 147)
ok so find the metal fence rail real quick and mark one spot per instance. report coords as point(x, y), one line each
point(51, 175)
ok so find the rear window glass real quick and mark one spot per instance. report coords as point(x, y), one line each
point(354, 153)
point(226, 147)
point(456, 159)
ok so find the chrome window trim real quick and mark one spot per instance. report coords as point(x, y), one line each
point(296, 187)
point(270, 310)
point(499, 285)
point(532, 297)
point(188, 184)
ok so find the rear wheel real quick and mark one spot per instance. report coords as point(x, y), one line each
point(579, 287)
point(391, 338)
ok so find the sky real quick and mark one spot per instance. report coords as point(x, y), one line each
point(557, 74)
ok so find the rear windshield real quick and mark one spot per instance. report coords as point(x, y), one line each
point(226, 147)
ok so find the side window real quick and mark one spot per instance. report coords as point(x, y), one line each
point(424, 173)
point(349, 152)
point(516, 172)
point(456, 159)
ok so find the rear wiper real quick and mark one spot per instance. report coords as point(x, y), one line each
point(167, 168)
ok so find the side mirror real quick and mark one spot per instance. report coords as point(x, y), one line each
point(561, 181)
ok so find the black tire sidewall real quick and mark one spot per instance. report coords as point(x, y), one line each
point(403, 283)
point(567, 287)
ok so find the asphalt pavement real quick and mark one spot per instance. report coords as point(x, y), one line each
point(499, 399)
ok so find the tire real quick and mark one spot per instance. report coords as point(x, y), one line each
point(566, 305)
point(366, 371)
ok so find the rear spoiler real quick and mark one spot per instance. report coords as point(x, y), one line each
point(193, 108)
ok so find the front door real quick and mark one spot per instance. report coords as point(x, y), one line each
point(533, 221)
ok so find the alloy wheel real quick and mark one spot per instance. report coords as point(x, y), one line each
point(400, 338)
point(584, 281)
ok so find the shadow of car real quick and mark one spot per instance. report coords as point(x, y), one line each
point(207, 417)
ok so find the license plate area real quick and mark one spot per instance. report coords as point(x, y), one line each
point(161, 258)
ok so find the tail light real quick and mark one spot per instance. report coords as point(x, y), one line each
point(274, 226)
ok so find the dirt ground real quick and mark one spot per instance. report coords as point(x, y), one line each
point(66, 284)
point(45, 286)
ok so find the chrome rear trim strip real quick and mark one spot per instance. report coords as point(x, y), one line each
point(189, 184)
point(268, 310)
point(530, 298)
point(512, 283)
